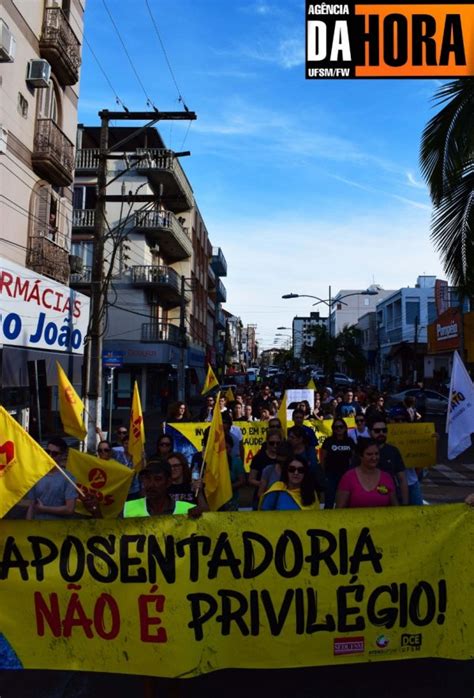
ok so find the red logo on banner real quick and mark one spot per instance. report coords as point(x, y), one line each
point(97, 478)
point(69, 393)
point(8, 450)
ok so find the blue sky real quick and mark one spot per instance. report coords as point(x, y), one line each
point(302, 183)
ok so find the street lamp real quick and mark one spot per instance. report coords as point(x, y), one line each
point(330, 301)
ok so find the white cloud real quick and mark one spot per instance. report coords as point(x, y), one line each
point(305, 255)
point(412, 181)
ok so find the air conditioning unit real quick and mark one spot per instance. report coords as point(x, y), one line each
point(7, 44)
point(38, 74)
point(75, 264)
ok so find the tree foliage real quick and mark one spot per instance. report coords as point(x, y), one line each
point(447, 164)
point(332, 352)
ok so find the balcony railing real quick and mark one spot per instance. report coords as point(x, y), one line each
point(164, 228)
point(221, 291)
point(218, 262)
point(163, 167)
point(87, 159)
point(49, 256)
point(53, 153)
point(211, 277)
point(83, 218)
point(160, 332)
point(60, 46)
point(82, 279)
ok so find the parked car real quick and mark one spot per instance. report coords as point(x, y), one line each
point(436, 403)
point(342, 381)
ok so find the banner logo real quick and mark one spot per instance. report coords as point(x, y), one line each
point(97, 478)
point(8, 451)
point(389, 40)
point(348, 645)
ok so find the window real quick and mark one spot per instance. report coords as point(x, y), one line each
point(432, 314)
point(48, 103)
point(366, 301)
point(412, 311)
point(84, 197)
point(84, 251)
point(22, 106)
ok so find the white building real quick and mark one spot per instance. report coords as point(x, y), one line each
point(348, 305)
point(302, 331)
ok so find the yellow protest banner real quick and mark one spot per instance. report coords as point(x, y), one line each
point(416, 442)
point(108, 480)
point(175, 597)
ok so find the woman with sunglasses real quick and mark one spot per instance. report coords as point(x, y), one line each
point(272, 473)
point(295, 491)
point(164, 446)
point(184, 487)
point(265, 456)
point(335, 456)
point(366, 485)
point(104, 450)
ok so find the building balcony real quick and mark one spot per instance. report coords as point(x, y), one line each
point(167, 177)
point(87, 160)
point(160, 332)
point(60, 46)
point(83, 219)
point(164, 228)
point(53, 154)
point(218, 262)
point(82, 279)
point(211, 278)
point(163, 284)
point(48, 255)
point(211, 305)
point(220, 319)
point(221, 292)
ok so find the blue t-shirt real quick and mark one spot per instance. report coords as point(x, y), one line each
point(52, 490)
point(279, 501)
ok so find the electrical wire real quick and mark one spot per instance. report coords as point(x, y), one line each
point(157, 31)
point(149, 100)
point(117, 98)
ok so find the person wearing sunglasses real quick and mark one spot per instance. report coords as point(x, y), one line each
point(391, 460)
point(335, 456)
point(272, 473)
point(53, 497)
point(295, 491)
point(121, 434)
point(361, 431)
point(265, 456)
point(366, 485)
point(104, 450)
point(164, 446)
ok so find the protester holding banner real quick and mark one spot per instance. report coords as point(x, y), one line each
point(206, 413)
point(366, 485)
point(183, 487)
point(54, 496)
point(295, 491)
point(336, 455)
point(248, 414)
point(155, 480)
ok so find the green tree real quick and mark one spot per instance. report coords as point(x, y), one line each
point(328, 351)
point(447, 164)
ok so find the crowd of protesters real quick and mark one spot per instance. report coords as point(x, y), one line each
point(353, 467)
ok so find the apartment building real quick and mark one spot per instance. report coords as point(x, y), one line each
point(158, 261)
point(303, 331)
point(40, 52)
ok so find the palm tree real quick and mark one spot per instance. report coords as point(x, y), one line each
point(447, 164)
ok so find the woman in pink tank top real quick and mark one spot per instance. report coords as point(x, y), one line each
point(366, 485)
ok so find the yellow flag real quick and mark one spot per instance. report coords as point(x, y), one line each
point(217, 473)
point(210, 382)
point(311, 385)
point(71, 407)
point(22, 462)
point(281, 414)
point(136, 443)
point(107, 479)
point(229, 395)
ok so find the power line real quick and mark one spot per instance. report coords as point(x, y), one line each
point(117, 98)
point(155, 25)
point(149, 101)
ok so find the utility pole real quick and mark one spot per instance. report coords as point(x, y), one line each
point(182, 345)
point(93, 372)
point(98, 302)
